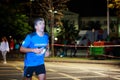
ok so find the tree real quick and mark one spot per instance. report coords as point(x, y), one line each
point(115, 4)
point(51, 10)
point(12, 23)
point(43, 8)
point(68, 32)
point(21, 26)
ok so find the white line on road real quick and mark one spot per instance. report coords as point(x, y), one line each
point(66, 75)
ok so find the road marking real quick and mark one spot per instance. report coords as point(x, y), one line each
point(100, 74)
point(104, 75)
point(66, 75)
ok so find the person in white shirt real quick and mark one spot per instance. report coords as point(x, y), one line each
point(4, 48)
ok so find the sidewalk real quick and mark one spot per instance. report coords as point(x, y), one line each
point(12, 57)
point(82, 60)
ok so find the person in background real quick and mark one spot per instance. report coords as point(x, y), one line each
point(73, 49)
point(12, 44)
point(36, 47)
point(4, 47)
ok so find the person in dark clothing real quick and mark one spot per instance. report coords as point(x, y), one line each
point(73, 49)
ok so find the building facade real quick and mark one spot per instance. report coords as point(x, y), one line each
point(99, 24)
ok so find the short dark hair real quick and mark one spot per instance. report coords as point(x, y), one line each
point(38, 19)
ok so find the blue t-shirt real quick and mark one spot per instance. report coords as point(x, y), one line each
point(34, 41)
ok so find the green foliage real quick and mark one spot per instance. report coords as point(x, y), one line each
point(115, 5)
point(13, 22)
point(16, 26)
point(14, 15)
point(21, 26)
point(68, 32)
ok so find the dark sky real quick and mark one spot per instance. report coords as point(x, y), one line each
point(88, 7)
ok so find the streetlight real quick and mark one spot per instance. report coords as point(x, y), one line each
point(93, 31)
point(108, 18)
point(52, 31)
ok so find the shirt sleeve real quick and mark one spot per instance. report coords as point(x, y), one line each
point(26, 41)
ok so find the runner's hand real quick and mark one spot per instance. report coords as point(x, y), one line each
point(37, 51)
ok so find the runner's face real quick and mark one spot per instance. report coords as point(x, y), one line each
point(40, 26)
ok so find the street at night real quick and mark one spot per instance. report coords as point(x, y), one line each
point(64, 71)
point(80, 39)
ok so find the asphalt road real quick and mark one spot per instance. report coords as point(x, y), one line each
point(9, 71)
point(81, 71)
point(63, 71)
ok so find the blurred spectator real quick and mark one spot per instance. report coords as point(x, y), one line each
point(4, 48)
point(73, 49)
point(65, 47)
point(12, 44)
point(17, 45)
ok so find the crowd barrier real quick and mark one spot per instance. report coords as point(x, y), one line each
point(97, 49)
point(104, 49)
